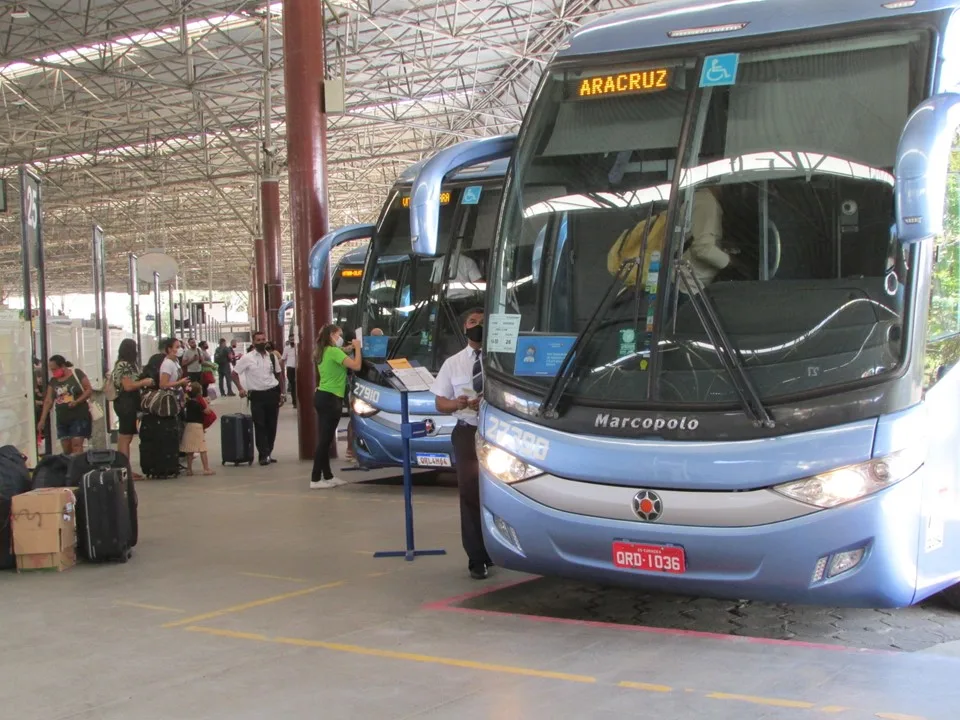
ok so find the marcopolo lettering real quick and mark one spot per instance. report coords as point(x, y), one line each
point(626, 422)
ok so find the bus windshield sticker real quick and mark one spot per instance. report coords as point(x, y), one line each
point(720, 70)
point(542, 356)
point(502, 331)
point(471, 195)
point(628, 342)
point(375, 346)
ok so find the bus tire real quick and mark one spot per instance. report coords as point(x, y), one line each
point(951, 596)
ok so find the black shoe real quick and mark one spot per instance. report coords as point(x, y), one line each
point(479, 573)
point(264, 461)
point(270, 460)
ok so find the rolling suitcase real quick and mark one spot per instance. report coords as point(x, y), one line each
point(236, 439)
point(80, 465)
point(160, 446)
point(103, 509)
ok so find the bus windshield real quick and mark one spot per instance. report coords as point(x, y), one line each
point(783, 216)
point(417, 301)
point(345, 291)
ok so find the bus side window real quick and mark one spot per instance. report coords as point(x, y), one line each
point(943, 324)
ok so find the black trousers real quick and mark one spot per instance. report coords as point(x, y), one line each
point(265, 410)
point(225, 371)
point(292, 384)
point(328, 407)
point(468, 481)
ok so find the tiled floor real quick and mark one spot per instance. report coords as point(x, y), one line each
point(251, 596)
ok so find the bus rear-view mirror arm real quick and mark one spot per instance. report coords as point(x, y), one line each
point(425, 196)
point(921, 167)
point(320, 253)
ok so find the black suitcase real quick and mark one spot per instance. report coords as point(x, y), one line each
point(53, 471)
point(159, 446)
point(82, 464)
point(236, 439)
point(7, 560)
point(103, 508)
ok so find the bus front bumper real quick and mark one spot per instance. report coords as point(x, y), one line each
point(379, 445)
point(775, 562)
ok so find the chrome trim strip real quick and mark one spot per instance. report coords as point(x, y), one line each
point(680, 507)
point(444, 423)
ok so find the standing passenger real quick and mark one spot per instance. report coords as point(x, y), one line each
point(261, 380)
point(290, 362)
point(332, 363)
point(68, 389)
point(459, 389)
point(126, 380)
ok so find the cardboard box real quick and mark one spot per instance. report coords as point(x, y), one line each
point(44, 525)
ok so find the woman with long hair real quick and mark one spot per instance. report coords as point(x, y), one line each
point(126, 379)
point(332, 364)
point(68, 390)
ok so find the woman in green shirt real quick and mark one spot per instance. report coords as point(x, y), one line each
point(332, 365)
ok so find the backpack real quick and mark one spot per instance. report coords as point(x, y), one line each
point(628, 245)
point(52, 472)
point(14, 476)
point(111, 387)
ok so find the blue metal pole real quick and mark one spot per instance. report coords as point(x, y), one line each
point(407, 474)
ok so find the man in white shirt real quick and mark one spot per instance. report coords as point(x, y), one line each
point(261, 381)
point(289, 360)
point(463, 274)
point(459, 389)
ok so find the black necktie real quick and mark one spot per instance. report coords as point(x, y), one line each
point(477, 373)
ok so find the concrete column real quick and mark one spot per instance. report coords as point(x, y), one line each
point(273, 280)
point(303, 72)
point(260, 252)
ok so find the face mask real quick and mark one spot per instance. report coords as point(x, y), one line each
point(475, 333)
point(261, 347)
point(339, 341)
point(59, 374)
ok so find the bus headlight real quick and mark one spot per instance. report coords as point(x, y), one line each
point(851, 483)
point(504, 466)
point(361, 408)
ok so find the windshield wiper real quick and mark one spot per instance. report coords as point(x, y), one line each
point(566, 371)
point(407, 329)
point(729, 357)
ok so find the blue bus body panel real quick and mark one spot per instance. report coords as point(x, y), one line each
point(383, 444)
point(662, 464)
point(772, 562)
point(647, 26)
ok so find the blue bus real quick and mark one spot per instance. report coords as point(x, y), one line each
point(414, 296)
point(724, 307)
point(345, 287)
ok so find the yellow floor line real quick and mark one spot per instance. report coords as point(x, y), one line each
point(395, 655)
point(756, 700)
point(645, 686)
point(273, 577)
point(897, 716)
point(254, 604)
point(144, 606)
point(832, 709)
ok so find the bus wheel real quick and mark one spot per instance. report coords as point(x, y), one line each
point(952, 596)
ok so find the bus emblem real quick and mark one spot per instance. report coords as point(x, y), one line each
point(647, 505)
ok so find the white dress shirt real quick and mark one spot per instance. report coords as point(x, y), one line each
point(455, 379)
point(257, 371)
point(289, 356)
point(463, 274)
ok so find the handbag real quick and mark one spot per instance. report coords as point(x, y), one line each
point(209, 418)
point(162, 403)
point(206, 377)
point(96, 412)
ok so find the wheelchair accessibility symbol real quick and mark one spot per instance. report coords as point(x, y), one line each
point(719, 70)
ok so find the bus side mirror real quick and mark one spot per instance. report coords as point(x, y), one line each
point(921, 167)
point(320, 252)
point(425, 197)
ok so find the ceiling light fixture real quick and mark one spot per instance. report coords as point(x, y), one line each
point(20, 13)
